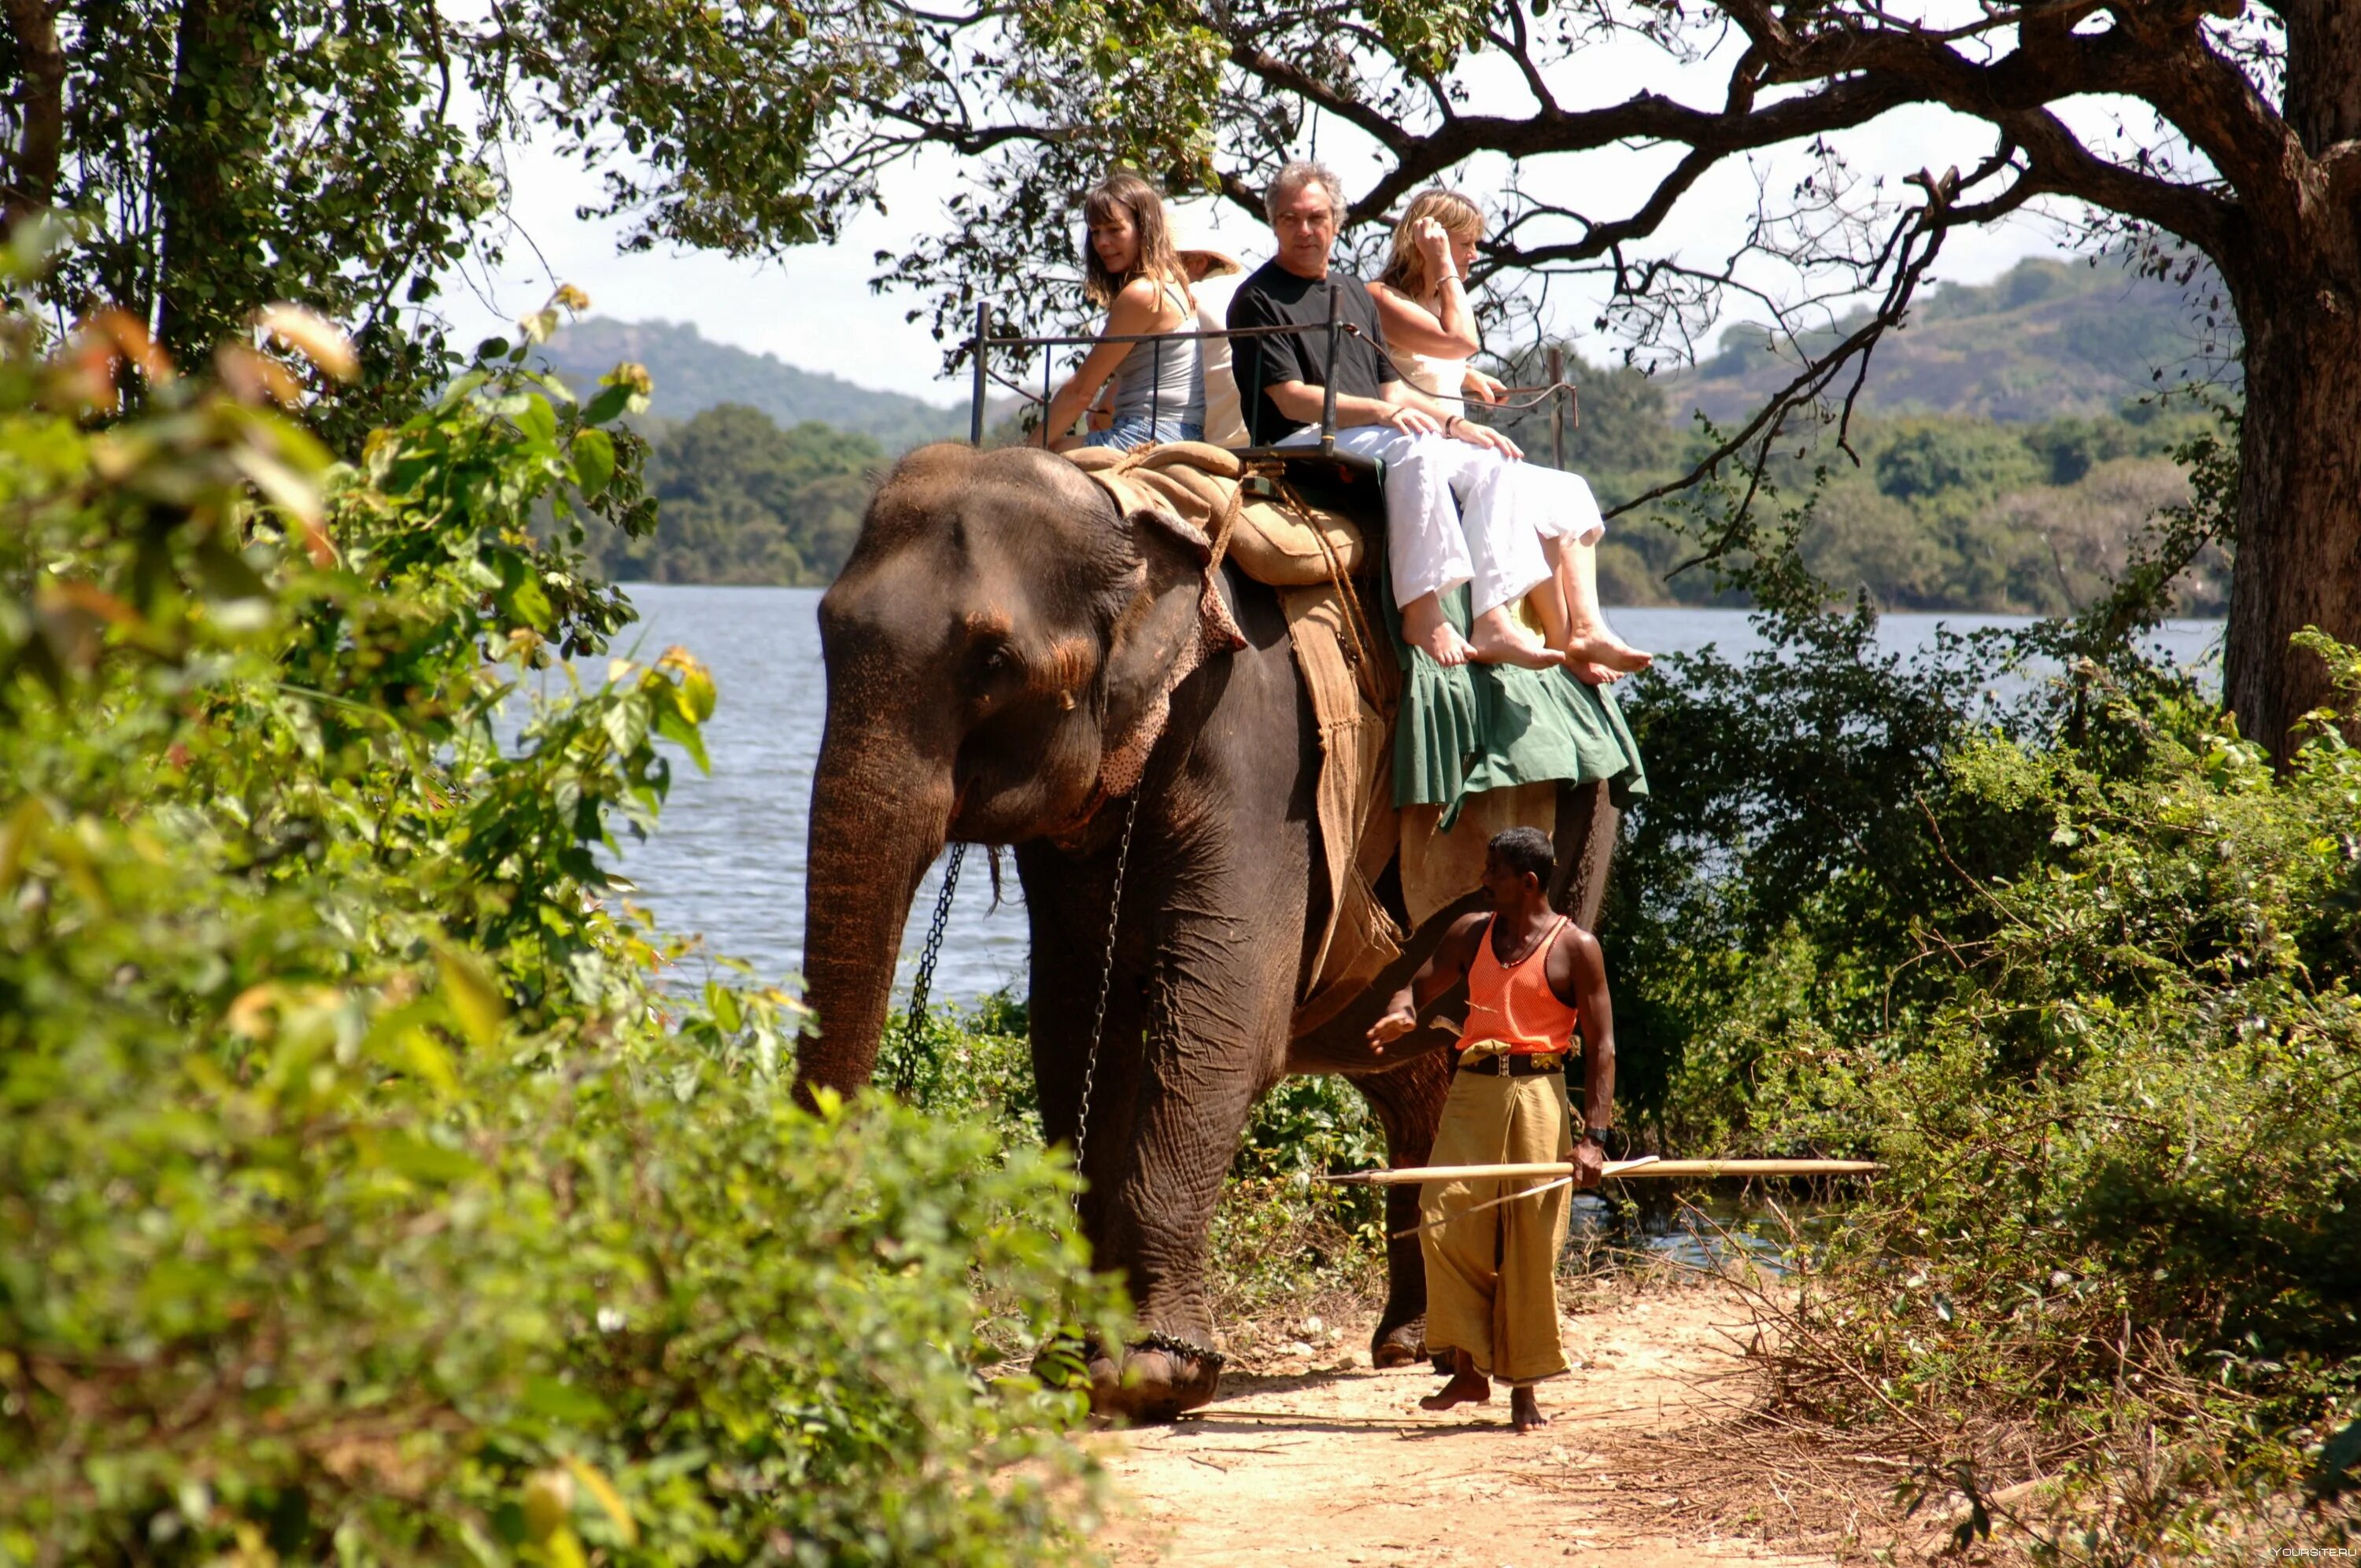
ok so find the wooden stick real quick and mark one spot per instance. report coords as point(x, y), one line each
point(1647, 1166)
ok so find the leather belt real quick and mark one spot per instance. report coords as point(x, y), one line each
point(1534, 1064)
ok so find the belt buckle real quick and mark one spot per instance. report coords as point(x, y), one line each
point(1542, 1062)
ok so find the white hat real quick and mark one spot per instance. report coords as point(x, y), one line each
point(1193, 234)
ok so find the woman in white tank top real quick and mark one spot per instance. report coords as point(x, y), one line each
point(1129, 267)
point(1421, 299)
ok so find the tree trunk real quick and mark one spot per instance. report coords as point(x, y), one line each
point(2296, 275)
point(211, 272)
point(32, 174)
point(2299, 522)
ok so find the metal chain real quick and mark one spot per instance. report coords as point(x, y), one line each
point(1173, 1344)
point(1106, 983)
point(915, 1019)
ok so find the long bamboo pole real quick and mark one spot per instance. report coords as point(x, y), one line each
point(1647, 1166)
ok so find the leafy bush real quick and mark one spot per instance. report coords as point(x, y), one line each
point(2086, 974)
point(1279, 1242)
point(2126, 1151)
point(365, 1196)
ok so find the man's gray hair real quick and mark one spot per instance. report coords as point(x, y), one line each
point(1293, 176)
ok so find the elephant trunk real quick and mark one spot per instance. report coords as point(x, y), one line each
point(880, 813)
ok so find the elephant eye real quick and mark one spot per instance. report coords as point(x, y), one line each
point(994, 659)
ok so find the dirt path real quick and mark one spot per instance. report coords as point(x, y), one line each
point(1318, 1459)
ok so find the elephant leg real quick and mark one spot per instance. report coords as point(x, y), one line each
point(1585, 841)
point(1068, 902)
point(1218, 1000)
point(1408, 1104)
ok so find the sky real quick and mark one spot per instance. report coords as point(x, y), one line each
point(815, 307)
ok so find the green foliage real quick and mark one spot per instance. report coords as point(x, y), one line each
point(211, 158)
point(2125, 1147)
point(366, 1197)
point(1945, 513)
point(744, 501)
point(1279, 1243)
point(1805, 841)
point(2085, 972)
point(970, 1062)
point(1926, 461)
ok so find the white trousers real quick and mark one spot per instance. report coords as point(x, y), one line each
point(1457, 513)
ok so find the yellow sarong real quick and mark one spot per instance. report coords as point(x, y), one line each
point(1491, 1275)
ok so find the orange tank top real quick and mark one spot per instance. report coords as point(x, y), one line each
point(1513, 1003)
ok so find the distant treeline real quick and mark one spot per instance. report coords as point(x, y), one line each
point(1944, 512)
point(740, 501)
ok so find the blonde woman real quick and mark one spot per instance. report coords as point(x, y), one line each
point(1422, 299)
point(1128, 265)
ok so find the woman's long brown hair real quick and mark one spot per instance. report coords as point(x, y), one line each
point(1156, 259)
point(1405, 271)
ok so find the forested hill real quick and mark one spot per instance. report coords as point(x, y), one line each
point(2045, 339)
point(693, 374)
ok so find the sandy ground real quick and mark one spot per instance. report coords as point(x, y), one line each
point(1653, 1459)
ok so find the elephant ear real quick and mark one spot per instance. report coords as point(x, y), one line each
point(1174, 620)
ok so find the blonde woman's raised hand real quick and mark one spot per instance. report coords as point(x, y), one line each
point(1433, 243)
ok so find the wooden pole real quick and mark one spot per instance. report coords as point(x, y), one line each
point(1328, 390)
point(1617, 1170)
point(1557, 404)
point(975, 395)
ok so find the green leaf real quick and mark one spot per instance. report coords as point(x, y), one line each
point(724, 1005)
point(536, 417)
point(610, 402)
point(475, 1000)
point(677, 730)
point(423, 1161)
point(594, 461)
point(563, 1401)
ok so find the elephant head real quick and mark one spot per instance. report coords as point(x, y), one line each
point(1000, 647)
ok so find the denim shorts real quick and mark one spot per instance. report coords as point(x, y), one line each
point(1136, 432)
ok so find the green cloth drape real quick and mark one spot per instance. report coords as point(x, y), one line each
point(1477, 727)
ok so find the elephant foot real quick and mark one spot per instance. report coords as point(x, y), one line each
point(1156, 1379)
point(1399, 1345)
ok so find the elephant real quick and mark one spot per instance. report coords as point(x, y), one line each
point(997, 632)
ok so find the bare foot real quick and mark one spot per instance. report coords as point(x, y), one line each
point(1525, 1411)
point(1596, 645)
point(1499, 640)
point(1467, 1387)
point(1595, 675)
point(1423, 625)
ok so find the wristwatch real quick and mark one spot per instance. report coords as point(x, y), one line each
point(1595, 1136)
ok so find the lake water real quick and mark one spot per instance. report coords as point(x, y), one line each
point(728, 861)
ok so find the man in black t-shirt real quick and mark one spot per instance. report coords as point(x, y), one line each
point(1275, 296)
point(1442, 528)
